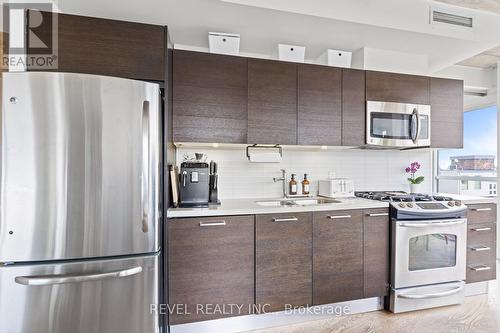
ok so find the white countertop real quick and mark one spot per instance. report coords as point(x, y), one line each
point(250, 207)
point(469, 199)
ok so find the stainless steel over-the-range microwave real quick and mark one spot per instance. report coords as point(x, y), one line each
point(398, 124)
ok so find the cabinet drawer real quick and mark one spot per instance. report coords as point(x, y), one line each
point(482, 213)
point(283, 258)
point(211, 261)
point(481, 253)
point(481, 233)
point(484, 271)
point(337, 256)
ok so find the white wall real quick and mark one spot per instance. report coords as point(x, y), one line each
point(390, 61)
point(370, 169)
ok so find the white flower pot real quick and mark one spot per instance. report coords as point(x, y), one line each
point(415, 188)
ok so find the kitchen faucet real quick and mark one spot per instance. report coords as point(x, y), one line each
point(282, 179)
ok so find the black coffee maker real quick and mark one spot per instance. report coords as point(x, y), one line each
point(198, 182)
point(194, 182)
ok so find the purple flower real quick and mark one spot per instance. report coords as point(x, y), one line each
point(407, 169)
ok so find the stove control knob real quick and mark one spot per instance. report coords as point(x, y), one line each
point(451, 203)
point(458, 203)
point(402, 205)
point(409, 205)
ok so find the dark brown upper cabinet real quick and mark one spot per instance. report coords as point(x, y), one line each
point(272, 102)
point(376, 246)
point(319, 103)
point(353, 107)
point(447, 112)
point(104, 47)
point(283, 260)
point(211, 261)
point(337, 256)
point(209, 98)
point(401, 88)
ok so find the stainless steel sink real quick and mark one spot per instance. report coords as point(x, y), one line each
point(314, 202)
point(296, 202)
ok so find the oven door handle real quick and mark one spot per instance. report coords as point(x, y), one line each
point(433, 295)
point(423, 225)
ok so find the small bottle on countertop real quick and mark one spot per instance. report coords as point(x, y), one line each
point(293, 185)
point(305, 185)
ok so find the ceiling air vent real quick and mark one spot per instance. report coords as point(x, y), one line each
point(453, 19)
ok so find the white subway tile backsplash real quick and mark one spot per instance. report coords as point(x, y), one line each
point(369, 169)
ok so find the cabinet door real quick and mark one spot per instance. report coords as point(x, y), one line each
point(105, 47)
point(272, 102)
point(447, 113)
point(209, 97)
point(283, 259)
point(319, 105)
point(376, 252)
point(392, 87)
point(353, 107)
point(337, 256)
point(211, 261)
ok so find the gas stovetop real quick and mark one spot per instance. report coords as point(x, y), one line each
point(401, 196)
point(417, 205)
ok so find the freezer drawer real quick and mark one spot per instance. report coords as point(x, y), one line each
point(79, 167)
point(96, 296)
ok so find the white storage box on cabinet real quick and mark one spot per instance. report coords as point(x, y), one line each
point(336, 58)
point(293, 53)
point(224, 43)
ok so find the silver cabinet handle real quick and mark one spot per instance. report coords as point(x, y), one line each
point(481, 209)
point(145, 167)
point(433, 295)
point(377, 214)
point(481, 229)
point(212, 224)
point(339, 217)
point(46, 280)
point(286, 219)
point(480, 248)
point(423, 225)
point(480, 268)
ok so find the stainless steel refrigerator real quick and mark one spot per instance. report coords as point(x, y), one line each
point(79, 204)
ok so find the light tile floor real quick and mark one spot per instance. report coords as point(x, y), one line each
point(479, 314)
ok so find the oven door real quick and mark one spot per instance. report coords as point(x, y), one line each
point(397, 124)
point(428, 252)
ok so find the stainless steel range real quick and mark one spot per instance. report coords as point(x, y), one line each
point(428, 249)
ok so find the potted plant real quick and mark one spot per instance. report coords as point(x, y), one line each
point(413, 179)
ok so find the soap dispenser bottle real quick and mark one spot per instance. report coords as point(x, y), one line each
point(305, 185)
point(293, 185)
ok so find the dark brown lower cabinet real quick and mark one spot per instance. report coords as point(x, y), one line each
point(283, 259)
point(481, 243)
point(337, 256)
point(376, 260)
point(211, 263)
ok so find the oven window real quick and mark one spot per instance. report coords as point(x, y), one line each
point(432, 251)
point(390, 125)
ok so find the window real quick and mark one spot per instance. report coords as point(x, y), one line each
point(473, 169)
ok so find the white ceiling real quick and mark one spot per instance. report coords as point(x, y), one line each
point(396, 25)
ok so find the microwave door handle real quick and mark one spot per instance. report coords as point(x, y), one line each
point(414, 126)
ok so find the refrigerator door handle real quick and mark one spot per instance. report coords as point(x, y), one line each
point(46, 280)
point(145, 167)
